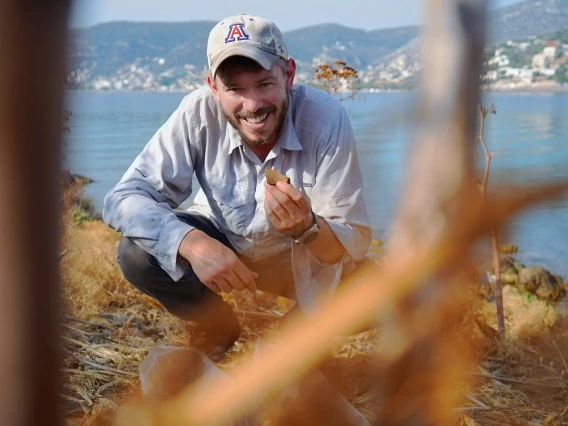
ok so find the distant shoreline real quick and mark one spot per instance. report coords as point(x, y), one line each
point(531, 89)
point(515, 90)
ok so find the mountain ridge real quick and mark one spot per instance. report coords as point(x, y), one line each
point(123, 50)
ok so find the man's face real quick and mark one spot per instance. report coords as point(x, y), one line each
point(254, 100)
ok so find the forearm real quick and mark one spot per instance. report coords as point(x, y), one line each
point(326, 247)
point(215, 264)
point(146, 217)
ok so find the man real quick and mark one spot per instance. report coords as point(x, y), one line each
point(293, 239)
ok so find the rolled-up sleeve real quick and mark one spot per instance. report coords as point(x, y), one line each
point(338, 192)
point(141, 205)
point(337, 196)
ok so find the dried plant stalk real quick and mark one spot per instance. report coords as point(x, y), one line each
point(495, 280)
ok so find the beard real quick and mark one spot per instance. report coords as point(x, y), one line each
point(262, 138)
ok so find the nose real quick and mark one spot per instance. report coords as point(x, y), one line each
point(252, 100)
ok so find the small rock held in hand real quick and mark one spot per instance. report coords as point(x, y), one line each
point(272, 176)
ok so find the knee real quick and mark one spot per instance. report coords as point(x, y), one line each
point(134, 262)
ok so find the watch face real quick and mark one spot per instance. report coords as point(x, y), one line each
point(311, 237)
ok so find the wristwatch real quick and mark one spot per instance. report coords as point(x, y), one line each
point(310, 234)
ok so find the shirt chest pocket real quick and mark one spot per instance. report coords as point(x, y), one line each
point(233, 202)
point(232, 192)
point(305, 181)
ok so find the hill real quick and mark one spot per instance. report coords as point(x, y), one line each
point(148, 55)
point(528, 18)
point(107, 49)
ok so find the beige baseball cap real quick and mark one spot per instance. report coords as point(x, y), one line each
point(245, 35)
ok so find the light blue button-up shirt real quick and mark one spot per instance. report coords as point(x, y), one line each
point(316, 150)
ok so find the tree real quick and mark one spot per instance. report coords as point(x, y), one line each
point(561, 74)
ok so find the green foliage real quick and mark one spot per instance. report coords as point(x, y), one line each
point(528, 298)
point(80, 207)
point(165, 80)
point(561, 74)
point(488, 54)
point(561, 36)
point(521, 58)
point(528, 18)
point(80, 216)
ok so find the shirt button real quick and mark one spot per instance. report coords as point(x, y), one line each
point(260, 210)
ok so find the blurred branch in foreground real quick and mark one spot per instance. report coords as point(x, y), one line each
point(418, 297)
point(32, 54)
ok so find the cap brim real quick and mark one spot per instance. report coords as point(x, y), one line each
point(265, 59)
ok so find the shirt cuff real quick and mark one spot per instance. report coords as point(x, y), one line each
point(168, 248)
point(314, 281)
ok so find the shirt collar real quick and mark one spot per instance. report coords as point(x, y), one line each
point(288, 138)
point(234, 138)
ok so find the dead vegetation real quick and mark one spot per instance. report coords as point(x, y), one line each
point(108, 327)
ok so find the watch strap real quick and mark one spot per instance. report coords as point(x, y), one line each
point(309, 234)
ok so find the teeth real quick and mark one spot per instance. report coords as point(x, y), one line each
point(257, 119)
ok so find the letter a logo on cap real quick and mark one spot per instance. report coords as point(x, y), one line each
point(236, 33)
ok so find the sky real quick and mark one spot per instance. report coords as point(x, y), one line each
point(286, 14)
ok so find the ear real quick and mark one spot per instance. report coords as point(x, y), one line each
point(290, 73)
point(213, 86)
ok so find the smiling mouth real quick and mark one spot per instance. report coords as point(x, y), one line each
point(256, 120)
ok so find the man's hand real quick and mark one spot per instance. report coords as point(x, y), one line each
point(290, 212)
point(287, 208)
point(216, 265)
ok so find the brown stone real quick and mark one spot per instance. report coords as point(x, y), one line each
point(272, 176)
point(543, 284)
point(510, 270)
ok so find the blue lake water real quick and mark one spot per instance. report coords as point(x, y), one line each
point(529, 133)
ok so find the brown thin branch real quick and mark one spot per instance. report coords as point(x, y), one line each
point(516, 381)
point(495, 280)
point(260, 315)
point(70, 318)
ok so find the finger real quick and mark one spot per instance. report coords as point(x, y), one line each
point(274, 209)
point(282, 205)
point(277, 222)
point(247, 277)
point(224, 285)
point(293, 194)
point(235, 281)
point(277, 194)
point(289, 217)
point(213, 287)
point(290, 199)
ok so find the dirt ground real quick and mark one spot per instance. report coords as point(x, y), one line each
point(108, 327)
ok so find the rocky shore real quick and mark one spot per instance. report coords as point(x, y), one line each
point(533, 280)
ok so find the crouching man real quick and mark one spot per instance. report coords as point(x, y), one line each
point(293, 239)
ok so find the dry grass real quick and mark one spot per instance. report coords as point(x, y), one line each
point(109, 326)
